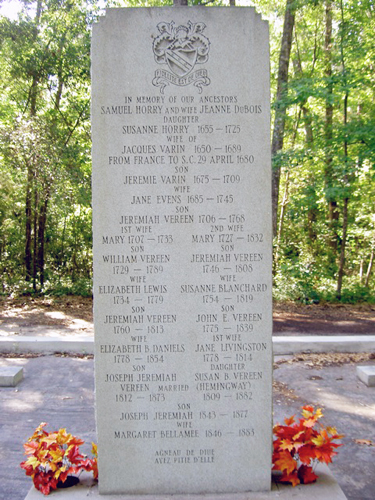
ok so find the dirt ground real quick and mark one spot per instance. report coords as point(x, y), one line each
point(289, 318)
point(327, 381)
point(323, 319)
point(51, 311)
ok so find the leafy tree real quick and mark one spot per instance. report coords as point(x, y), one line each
point(331, 97)
point(323, 145)
point(45, 138)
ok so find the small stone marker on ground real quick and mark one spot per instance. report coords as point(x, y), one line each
point(182, 250)
point(367, 375)
point(10, 376)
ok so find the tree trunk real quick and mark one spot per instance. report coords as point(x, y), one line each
point(28, 225)
point(285, 200)
point(30, 270)
point(59, 92)
point(369, 268)
point(307, 120)
point(361, 271)
point(284, 204)
point(42, 219)
point(347, 175)
point(60, 73)
point(343, 245)
point(33, 94)
point(35, 230)
point(333, 214)
point(280, 112)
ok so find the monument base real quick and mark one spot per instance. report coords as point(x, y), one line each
point(325, 487)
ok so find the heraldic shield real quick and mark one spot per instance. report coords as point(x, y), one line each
point(181, 61)
point(181, 48)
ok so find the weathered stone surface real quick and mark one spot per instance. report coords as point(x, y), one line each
point(10, 376)
point(325, 487)
point(182, 250)
point(367, 375)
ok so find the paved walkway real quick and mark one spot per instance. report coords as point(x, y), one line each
point(79, 338)
point(60, 390)
point(293, 333)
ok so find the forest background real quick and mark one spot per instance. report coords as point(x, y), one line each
point(323, 146)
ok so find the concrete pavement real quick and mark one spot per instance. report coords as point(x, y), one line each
point(80, 339)
point(60, 390)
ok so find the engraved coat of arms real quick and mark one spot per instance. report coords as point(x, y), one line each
point(181, 48)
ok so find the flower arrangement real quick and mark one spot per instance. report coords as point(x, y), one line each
point(299, 446)
point(52, 457)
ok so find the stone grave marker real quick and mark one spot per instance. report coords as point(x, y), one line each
point(366, 374)
point(182, 250)
point(10, 376)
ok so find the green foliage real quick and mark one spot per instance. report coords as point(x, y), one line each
point(45, 165)
point(45, 212)
point(306, 283)
point(328, 168)
point(66, 286)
